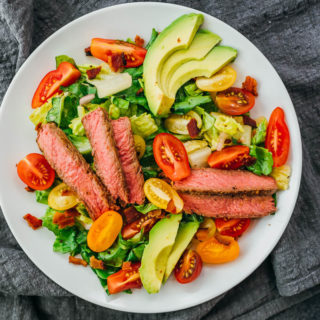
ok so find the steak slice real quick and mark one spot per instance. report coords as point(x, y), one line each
point(228, 206)
point(128, 157)
point(220, 182)
point(106, 159)
point(72, 168)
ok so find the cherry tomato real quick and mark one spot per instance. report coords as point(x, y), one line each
point(162, 195)
point(218, 249)
point(231, 158)
point(232, 227)
point(35, 171)
point(171, 156)
point(235, 101)
point(188, 267)
point(220, 81)
point(278, 137)
point(127, 278)
point(65, 75)
point(62, 198)
point(117, 53)
point(206, 230)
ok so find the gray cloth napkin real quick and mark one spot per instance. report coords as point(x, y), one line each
point(286, 285)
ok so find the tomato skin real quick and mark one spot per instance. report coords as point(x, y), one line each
point(171, 156)
point(35, 171)
point(231, 158)
point(125, 279)
point(235, 101)
point(278, 137)
point(189, 258)
point(65, 75)
point(232, 227)
point(106, 49)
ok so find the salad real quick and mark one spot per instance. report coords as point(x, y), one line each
point(151, 164)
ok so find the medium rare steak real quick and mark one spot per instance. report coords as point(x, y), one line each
point(216, 181)
point(72, 168)
point(106, 159)
point(128, 157)
point(228, 206)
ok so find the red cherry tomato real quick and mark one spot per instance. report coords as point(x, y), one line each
point(35, 171)
point(188, 267)
point(65, 75)
point(232, 227)
point(278, 138)
point(171, 156)
point(235, 101)
point(231, 158)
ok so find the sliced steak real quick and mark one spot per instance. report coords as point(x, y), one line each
point(219, 182)
point(106, 159)
point(228, 206)
point(72, 168)
point(128, 157)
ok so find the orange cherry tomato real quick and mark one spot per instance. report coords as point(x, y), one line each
point(104, 231)
point(218, 249)
point(232, 227)
point(65, 75)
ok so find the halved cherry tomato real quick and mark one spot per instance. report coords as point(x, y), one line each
point(171, 156)
point(62, 198)
point(232, 227)
point(104, 231)
point(146, 222)
point(162, 195)
point(35, 171)
point(126, 278)
point(117, 53)
point(188, 267)
point(231, 158)
point(65, 75)
point(218, 249)
point(278, 138)
point(220, 81)
point(235, 101)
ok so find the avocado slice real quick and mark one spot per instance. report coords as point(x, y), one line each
point(156, 253)
point(185, 234)
point(201, 44)
point(216, 59)
point(178, 35)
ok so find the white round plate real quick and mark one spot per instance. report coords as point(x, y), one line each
point(17, 138)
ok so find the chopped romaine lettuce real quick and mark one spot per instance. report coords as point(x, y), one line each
point(39, 114)
point(80, 89)
point(145, 208)
point(153, 37)
point(135, 73)
point(81, 143)
point(76, 124)
point(149, 173)
point(228, 125)
point(189, 103)
point(212, 136)
point(42, 196)
point(261, 132)
point(143, 125)
point(64, 58)
point(264, 162)
point(120, 103)
point(192, 90)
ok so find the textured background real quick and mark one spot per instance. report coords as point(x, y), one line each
point(286, 286)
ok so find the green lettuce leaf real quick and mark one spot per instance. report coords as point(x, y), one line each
point(264, 162)
point(143, 125)
point(81, 143)
point(189, 103)
point(64, 58)
point(154, 35)
point(261, 132)
point(192, 90)
point(66, 240)
point(228, 125)
point(39, 114)
point(145, 208)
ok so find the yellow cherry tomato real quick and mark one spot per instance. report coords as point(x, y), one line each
point(162, 195)
point(206, 230)
point(220, 81)
point(104, 231)
point(62, 198)
point(140, 145)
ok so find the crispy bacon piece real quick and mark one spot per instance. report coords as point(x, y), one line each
point(139, 91)
point(117, 61)
point(27, 188)
point(193, 128)
point(250, 84)
point(139, 41)
point(95, 263)
point(65, 219)
point(87, 51)
point(77, 261)
point(131, 214)
point(249, 121)
point(92, 73)
point(33, 221)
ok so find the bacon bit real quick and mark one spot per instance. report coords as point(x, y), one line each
point(38, 126)
point(250, 84)
point(179, 40)
point(117, 61)
point(65, 219)
point(27, 188)
point(96, 264)
point(92, 73)
point(131, 214)
point(126, 266)
point(193, 128)
point(88, 51)
point(77, 261)
point(249, 121)
point(139, 41)
point(139, 91)
point(33, 221)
